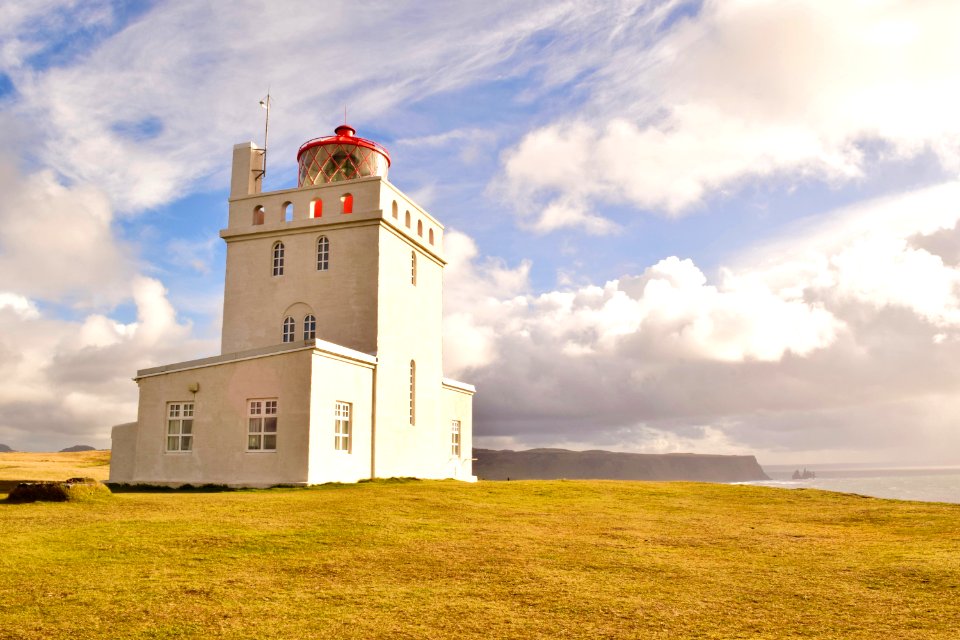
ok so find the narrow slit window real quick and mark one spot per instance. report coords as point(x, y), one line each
point(431, 236)
point(420, 228)
point(406, 219)
point(288, 329)
point(323, 253)
point(278, 254)
point(413, 392)
point(396, 210)
point(413, 268)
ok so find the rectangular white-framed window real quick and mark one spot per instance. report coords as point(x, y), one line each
point(455, 438)
point(262, 425)
point(342, 440)
point(179, 426)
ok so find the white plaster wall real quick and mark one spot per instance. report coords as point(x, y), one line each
point(410, 328)
point(458, 405)
point(338, 380)
point(123, 448)
point(219, 452)
point(343, 298)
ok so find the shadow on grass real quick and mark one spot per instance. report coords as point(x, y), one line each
point(159, 488)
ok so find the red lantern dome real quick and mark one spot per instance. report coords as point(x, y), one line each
point(342, 156)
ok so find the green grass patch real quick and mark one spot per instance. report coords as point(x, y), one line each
point(530, 559)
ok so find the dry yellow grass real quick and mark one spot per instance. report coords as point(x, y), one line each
point(534, 559)
point(22, 466)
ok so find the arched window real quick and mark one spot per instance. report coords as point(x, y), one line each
point(396, 210)
point(431, 236)
point(407, 220)
point(310, 327)
point(413, 268)
point(413, 392)
point(288, 212)
point(347, 200)
point(288, 329)
point(420, 228)
point(278, 259)
point(323, 253)
point(316, 208)
point(258, 215)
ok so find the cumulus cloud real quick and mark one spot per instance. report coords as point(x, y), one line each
point(66, 360)
point(747, 89)
point(834, 346)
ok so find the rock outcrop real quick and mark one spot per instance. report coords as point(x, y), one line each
point(5, 449)
point(547, 464)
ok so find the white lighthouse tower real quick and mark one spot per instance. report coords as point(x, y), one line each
point(331, 365)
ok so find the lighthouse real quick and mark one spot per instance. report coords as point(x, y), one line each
point(331, 349)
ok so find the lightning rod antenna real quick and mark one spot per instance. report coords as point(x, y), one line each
point(265, 103)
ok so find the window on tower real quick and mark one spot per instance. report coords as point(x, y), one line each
point(288, 328)
point(347, 200)
point(395, 210)
point(406, 219)
point(413, 392)
point(278, 259)
point(310, 327)
point(431, 236)
point(323, 253)
point(413, 268)
point(258, 213)
point(316, 208)
point(288, 212)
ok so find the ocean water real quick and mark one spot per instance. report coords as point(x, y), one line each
point(928, 485)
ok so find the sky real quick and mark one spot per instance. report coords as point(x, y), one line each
point(714, 227)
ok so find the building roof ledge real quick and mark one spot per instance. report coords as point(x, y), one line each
point(287, 347)
point(456, 384)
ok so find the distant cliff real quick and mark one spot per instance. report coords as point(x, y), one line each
point(545, 464)
point(5, 449)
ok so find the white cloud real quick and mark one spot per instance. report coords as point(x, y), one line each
point(67, 380)
point(835, 346)
point(748, 89)
point(158, 106)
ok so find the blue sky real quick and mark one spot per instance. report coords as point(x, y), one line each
point(721, 227)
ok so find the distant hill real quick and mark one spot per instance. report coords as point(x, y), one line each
point(78, 447)
point(5, 449)
point(547, 464)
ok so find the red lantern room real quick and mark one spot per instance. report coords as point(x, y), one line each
point(342, 156)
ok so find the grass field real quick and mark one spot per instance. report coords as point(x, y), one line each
point(532, 559)
point(19, 466)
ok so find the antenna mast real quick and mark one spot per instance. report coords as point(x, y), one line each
point(265, 103)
